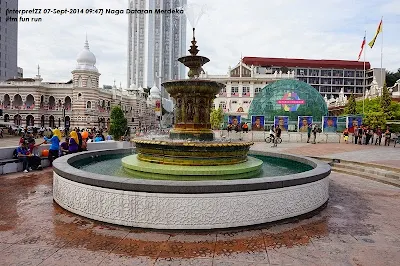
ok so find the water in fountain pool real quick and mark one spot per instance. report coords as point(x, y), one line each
point(111, 165)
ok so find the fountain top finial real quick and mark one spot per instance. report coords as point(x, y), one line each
point(193, 48)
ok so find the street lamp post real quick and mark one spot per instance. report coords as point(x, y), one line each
point(18, 120)
point(161, 98)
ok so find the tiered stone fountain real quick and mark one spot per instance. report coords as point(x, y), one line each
point(191, 141)
point(200, 183)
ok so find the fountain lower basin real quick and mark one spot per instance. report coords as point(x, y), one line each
point(194, 153)
point(171, 204)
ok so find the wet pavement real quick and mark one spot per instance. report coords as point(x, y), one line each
point(385, 155)
point(359, 226)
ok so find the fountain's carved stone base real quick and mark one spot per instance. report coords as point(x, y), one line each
point(192, 153)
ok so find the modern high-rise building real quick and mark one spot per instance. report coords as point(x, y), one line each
point(156, 41)
point(8, 40)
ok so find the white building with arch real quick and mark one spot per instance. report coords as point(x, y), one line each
point(79, 102)
point(243, 83)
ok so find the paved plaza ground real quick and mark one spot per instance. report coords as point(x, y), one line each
point(359, 226)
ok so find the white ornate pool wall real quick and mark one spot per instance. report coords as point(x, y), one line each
point(162, 204)
point(189, 211)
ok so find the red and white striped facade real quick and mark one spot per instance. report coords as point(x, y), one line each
point(77, 103)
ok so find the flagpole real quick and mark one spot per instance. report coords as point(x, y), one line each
point(365, 82)
point(382, 55)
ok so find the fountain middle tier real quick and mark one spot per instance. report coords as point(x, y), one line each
point(194, 153)
point(193, 103)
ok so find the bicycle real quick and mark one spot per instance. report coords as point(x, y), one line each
point(271, 139)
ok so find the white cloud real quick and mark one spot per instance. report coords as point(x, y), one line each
point(297, 29)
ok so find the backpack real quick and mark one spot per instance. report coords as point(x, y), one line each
point(15, 154)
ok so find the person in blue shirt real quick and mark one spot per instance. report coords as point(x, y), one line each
point(55, 145)
point(98, 138)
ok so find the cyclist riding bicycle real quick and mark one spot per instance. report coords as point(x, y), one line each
point(272, 133)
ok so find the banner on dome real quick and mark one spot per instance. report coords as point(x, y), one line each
point(290, 102)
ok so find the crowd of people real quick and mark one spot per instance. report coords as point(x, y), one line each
point(75, 141)
point(364, 135)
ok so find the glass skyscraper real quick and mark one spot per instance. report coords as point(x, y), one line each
point(8, 40)
point(155, 43)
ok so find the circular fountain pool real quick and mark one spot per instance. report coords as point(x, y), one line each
point(112, 165)
point(93, 184)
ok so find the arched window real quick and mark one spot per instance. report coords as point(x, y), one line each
point(52, 123)
point(30, 121)
point(30, 101)
point(17, 101)
point(52, 102)
point(67, 103)
point(6, 102)
point(88, 105)
point(89, 82)
point(42, 101)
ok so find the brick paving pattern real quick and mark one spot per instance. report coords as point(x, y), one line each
point(359, 226)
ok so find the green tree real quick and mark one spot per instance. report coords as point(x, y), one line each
point(392, 77)
point(386, 101)
point(375, 119)
point(119, 123)
point(216, 118)
point(350, 108)
point(370, 105)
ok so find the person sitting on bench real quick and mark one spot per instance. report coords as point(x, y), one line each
point(29, 161)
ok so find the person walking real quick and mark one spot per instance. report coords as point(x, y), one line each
point(387, 136)
point(346, 136)
point(367, 135)
point(278, 132)
point(314, 131)
point(355, 134)
point(309, 129)
point(245, 128)
point(378, 136)
point(360, 134)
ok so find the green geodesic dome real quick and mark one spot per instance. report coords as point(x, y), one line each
point(290, 98)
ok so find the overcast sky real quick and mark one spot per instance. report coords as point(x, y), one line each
point(314, 29)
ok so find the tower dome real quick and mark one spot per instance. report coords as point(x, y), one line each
point(86, 59)
point(154, 91)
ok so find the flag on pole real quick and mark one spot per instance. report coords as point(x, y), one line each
point(362, 48)
point(378, 30)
